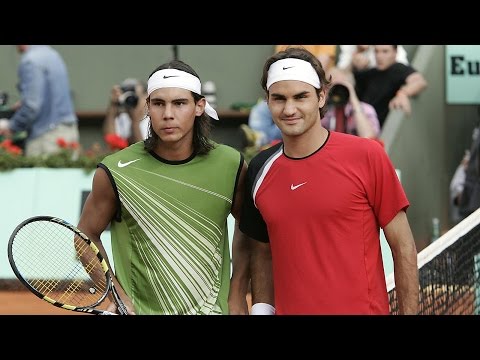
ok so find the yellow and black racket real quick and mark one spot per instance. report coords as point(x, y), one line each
point(61, 265)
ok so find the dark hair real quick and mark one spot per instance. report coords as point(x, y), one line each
point(302, 54)
point(202, 125)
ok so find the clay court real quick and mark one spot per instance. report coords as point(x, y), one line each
point(17, 302)
point(15, 299)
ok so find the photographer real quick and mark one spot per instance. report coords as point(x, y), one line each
point(346, 113)
point(126, 115)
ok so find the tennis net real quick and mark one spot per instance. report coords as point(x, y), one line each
point(449, 272)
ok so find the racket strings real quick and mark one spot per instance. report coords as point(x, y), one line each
point(59, 264)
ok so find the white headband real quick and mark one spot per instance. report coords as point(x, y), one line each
point(180, 79)
point(293, 69)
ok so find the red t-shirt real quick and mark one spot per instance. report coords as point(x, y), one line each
point(323, 215)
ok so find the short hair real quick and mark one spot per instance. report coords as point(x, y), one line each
point(202, 125)
point(302, 54)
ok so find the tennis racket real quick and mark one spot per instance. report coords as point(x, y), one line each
point(61, 265)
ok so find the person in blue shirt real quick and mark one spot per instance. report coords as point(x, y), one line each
point(45, 112)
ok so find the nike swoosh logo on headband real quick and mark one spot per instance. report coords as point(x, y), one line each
point(285, 68)
point(166, 77)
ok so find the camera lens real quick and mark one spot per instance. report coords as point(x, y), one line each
point(339, 95)
point(129, 99)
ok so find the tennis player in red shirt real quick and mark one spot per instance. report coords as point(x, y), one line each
point(315, 204)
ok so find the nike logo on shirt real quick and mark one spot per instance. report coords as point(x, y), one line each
point(288, 67)
point(121, 165)
point(294, 187)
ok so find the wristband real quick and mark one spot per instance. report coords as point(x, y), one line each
point(262, 309)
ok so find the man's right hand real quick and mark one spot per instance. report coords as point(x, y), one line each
point(115, 94)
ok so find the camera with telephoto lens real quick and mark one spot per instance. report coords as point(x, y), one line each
point(338, 95)
point(129, 97)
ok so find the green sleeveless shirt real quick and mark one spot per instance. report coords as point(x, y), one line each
point(170, 241)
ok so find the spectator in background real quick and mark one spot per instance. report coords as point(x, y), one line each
point(465, 184)
point(45, 111)
point(126, 115)
point(362, 57)
point(390, 84)
point(345, 112)
point(261, 131)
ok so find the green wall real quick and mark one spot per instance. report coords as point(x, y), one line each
point(93, 69)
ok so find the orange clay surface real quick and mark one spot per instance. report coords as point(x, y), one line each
point(19, 302)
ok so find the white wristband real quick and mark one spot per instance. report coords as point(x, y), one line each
point(262, 309)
